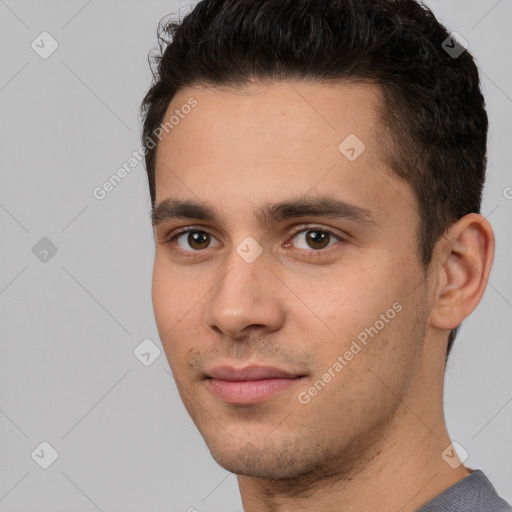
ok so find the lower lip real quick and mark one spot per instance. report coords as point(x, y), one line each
point(248, 391)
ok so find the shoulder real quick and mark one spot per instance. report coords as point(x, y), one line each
point(475, 493)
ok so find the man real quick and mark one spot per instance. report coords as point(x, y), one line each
point(316, 171)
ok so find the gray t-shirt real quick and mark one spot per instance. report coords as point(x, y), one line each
point(473, 493)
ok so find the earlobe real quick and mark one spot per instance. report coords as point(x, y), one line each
point(463, 258)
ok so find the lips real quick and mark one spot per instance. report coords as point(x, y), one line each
point(249, 373)
point(249, 385)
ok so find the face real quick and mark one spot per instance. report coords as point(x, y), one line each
point(296, 301)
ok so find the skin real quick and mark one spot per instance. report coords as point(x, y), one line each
point(372, 438)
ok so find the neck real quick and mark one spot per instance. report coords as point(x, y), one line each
point(404, 471)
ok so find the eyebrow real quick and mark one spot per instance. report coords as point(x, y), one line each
point(268, 213)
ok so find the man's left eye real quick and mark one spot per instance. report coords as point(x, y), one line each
point(313, 238)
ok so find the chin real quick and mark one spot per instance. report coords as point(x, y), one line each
point(271, 462)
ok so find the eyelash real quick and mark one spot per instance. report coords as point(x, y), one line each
point(311, 252)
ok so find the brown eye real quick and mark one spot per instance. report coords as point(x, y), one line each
point(314, 239)
point(193, 240)
point(198, 240)
point(317, 239)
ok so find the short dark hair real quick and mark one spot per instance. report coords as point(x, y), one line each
point(434, 123)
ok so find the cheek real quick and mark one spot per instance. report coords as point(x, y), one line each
point(177, 306)
point(352, 299)
point(369, 314)
point(169, 305)
point(392, 331)
point(170, 294)
point(161, 297)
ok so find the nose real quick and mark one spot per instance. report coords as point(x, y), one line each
point(249, 297)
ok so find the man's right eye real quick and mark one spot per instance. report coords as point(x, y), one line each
point(192, 238)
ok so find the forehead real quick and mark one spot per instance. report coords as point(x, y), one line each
point(281, 116)
point(264, 143)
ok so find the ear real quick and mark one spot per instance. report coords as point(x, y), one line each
point(462, 263)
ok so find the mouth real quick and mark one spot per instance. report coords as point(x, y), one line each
point(249, 385)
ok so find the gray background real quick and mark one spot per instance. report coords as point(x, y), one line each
point(69, 325)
